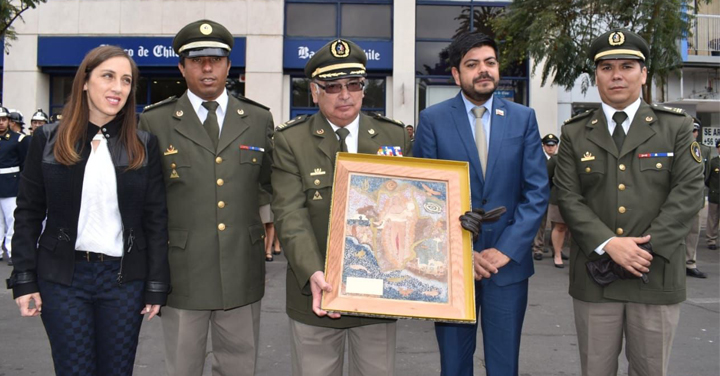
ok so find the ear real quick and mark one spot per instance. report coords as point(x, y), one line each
point(644, 74)
point(182, 69)
point(315, 93)
point(85, 86)
point(456, 75)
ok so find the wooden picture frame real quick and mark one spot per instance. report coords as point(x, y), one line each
point(396, 247)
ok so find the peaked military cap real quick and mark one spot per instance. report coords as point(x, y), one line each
point(4, 112)
point(619, 44)
point(40, 115)
point(203, 38)
point(550, 139)
point(338, 59)
point(696, 124)
point(16, 116)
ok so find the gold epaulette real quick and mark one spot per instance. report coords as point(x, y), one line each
point(291, 123)
point(578, 117)
point(672, 110)
point(385, 118)
point(160, 104)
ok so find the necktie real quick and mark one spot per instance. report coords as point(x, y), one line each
point(619, 133)
point(343, 133)
point(480, 136)
point(211, 122)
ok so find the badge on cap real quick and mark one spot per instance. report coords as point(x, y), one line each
point(340, 49)
point(616, 39)
point(205, 29)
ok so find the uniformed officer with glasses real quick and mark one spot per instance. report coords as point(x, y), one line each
point(302, 179)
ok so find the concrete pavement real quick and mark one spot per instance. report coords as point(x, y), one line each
point(549, 344)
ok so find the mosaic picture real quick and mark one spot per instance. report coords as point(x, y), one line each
point(396, 244)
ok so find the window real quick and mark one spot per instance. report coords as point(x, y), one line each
point(437, 23)
point(333, 19)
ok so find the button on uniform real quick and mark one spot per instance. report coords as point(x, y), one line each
point(619, 231)
point(621, 210)
point(621, 167)
point(221, 204)
point(221, 227)
point(218, 160)
point(621, 187)
point(220, 182)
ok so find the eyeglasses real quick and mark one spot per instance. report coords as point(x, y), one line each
point(334, 88)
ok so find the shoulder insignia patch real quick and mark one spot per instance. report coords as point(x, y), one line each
point(695, 151)
point(246, 100)
point(671, 110)
point(160, 104)
point(291, 123)
point(387, 119)
point(578, 117)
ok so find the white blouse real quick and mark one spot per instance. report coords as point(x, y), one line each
point(100, 225)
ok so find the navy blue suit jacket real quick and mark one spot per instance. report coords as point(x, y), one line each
point(516, 177)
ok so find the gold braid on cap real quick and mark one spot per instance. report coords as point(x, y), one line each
point(620, 52)
point(337, 66)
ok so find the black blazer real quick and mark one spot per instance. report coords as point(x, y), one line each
point(46, 186)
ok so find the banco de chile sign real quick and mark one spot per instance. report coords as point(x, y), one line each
point(146, 51)
point(296, 53)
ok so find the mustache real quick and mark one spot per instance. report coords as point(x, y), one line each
point(483, 76)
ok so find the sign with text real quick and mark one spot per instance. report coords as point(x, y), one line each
point(710, 135)
point(296, 53)
point(146, 51)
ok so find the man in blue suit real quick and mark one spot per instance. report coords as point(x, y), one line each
point(501, 141)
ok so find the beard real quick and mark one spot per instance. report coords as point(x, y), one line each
point(479, 95)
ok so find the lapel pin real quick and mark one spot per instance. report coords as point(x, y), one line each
point(174, 174)
point(241, 111)
point(371, 131)
point(594, 121)
point(320, 131)
point(649, 119)
point(179, 113)
point(317, 196)
point(499, 112)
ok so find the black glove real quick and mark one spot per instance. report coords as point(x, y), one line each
point(473, 220)
point(605, 271)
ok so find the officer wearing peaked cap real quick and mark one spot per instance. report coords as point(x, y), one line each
point(303, 170)
point(628, 175)
point(13, 150)
point(549, 143)
point(216, 152)
point(38, 119)
point(16, 120)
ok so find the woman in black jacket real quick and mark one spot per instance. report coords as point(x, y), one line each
point(100, 263)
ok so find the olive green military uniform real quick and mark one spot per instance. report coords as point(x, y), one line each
point(303, 171)
point(693, 237)
point(604, 194)
point(216, 237)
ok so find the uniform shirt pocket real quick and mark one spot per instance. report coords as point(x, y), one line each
point(252, 157)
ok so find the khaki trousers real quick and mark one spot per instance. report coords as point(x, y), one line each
point(235, 334)
point(691, 242)
point(318, 351)
point(711, 229)
point(648, 331)
point(539, 241)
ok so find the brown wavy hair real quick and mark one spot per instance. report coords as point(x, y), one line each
point(72, 131)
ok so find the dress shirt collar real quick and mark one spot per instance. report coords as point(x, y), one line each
point(354, 128)
point(630, 111)
point(197, 103)
point(470, 105)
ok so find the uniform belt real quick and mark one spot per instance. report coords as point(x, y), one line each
point(94, 257)
point(9, 170)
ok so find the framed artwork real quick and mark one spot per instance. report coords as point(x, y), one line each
point(395, 246)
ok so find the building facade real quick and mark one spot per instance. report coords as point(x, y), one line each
point(403, 39)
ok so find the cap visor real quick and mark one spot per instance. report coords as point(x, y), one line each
point(206, 52)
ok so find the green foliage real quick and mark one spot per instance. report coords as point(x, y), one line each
point(560, 32)
point(11, 10)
